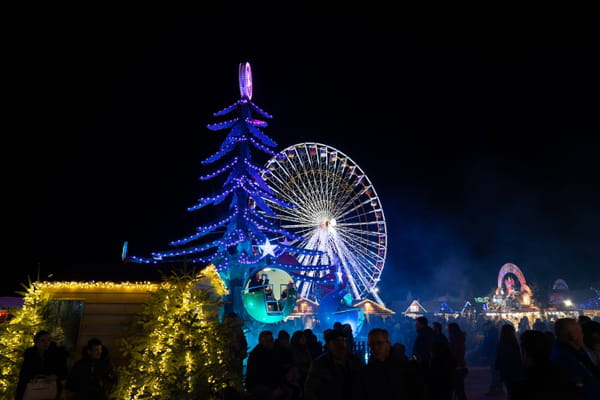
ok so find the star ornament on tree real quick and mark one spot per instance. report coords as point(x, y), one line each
point(268, 248)
point(339, 275)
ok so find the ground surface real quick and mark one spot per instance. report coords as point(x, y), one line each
point(477, 384)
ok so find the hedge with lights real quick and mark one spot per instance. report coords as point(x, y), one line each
point(17, 334)
point(178, 347)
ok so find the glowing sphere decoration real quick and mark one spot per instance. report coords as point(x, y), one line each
point(269, 295)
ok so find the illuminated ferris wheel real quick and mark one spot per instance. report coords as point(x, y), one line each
point(337, 212)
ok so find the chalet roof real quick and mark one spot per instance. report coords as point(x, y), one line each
point(472, 305)
point(415, 303)
point(306, 300)
point(376, 307)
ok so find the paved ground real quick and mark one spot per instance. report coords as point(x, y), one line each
point(477, 384)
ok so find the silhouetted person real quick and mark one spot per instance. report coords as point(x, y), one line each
point(488, 351)
point(334, 375)
point(347, 329)
point(523, 325)
point(543, 379)
point(301, 355)
point(314, 344)
point(457, 340)
point(399, 351)
point(591, 341)
point(255, 283)
point(423, 342)
point(283, 349)
point(267, 287)
point(441, 371)
point(264, 371)
point(92, 377)
point(438, 334)
point(508, 358)
point(423, 348)
point(389, 377)
point(538, 325)
point(43, 358)
point(569, 355)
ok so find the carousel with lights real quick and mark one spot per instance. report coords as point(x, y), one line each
point(512, 299)
point(303, 240)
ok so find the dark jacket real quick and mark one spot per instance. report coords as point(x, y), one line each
point(441, 371)
point(457, 346)
point(393, 378)
point(264, 368)
point(54, 362)
point(489, 345)
point(508, 362)
point(578, 369)
point(545, 381)
point(328, 380)
point(423, 345)
point(91, 379)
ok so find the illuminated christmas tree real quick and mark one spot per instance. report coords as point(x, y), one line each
point(17, 334)
point(242, 245)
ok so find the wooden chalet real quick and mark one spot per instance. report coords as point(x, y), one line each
point(374, 309)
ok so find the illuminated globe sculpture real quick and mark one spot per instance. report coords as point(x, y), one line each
point(337, 212)
point(272, 305)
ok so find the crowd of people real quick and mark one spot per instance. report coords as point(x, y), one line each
point(550, 360)
point(90, 378)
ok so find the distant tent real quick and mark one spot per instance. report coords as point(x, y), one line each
point(466, 306)
point(478, 307)
point(445, 309)
point(415, 308)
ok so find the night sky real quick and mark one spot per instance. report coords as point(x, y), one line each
point(477, 127)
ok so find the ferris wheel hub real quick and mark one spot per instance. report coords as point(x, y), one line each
point(324, 220)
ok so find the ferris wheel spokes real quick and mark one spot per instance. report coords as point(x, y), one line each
point(337, 212)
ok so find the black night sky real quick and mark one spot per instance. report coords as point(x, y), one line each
point(477, 127)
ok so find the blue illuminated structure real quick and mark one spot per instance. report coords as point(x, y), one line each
point(243, 246)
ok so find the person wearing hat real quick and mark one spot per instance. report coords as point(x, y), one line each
point(335, 374)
